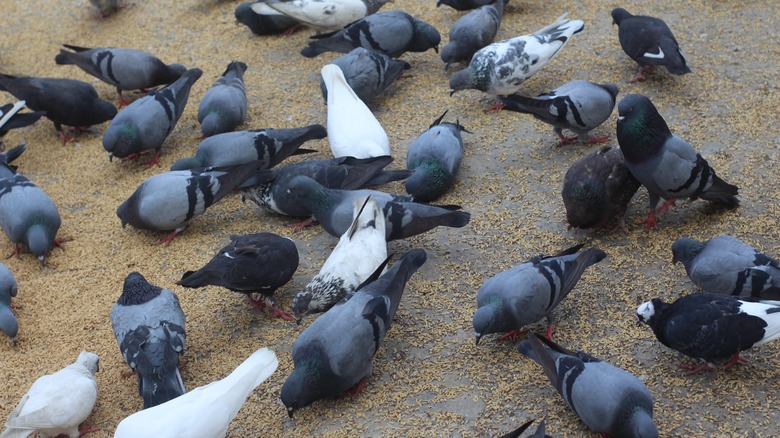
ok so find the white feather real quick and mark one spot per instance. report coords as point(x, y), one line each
point(761, 310)
point(322, 14)
point(659, 55)
point(14, 109)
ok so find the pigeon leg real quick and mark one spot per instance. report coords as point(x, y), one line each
point(735, 360)
point(650, 221)
point(621, 225)
point(550, 330)
point(85, 430)
point(182, 363)
point(17, 251)
point(155, 161)
point(563, 140)
point(299, 226)
point(597, 140)
point(355, 390)
point(291, 30)
point(133, 156)
point(58, 242)
point(168, 239)
point(128, 374)
point(666, 206)
point(496, 107)
point(122, 101)
point(513, 335)
point(640, 74)
point(695, 368)
point(266, 302)
point(64, 137)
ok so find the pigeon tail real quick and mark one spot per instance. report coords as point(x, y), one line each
point(245, 378)
point(526, 105)
point(156, 389)
point(12, 154)
point(722, 192)
point(675, 62)
point(386, 176)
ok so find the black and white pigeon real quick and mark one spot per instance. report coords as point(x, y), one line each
point(392, 33)
point(711, 328)
point(668, 166)
point(403, 218)
point(146, 123)
point(326, 15)
point(262, 19)
point(256, 263)
point(107, 7)
point(368, 73)
point(649, 42)
point(359, 253)
point(472, 32)
point(530, 291)
point(65, 101)
point(126, 69)
point(434, 159)
point(269, 146)
point(579, 106)
point(268, 189)
point(11, 118)
point(539, 433)
point(597, 189)
point(168, 201)
point(729, 266)
point(224, 106)
point(336, 352)
point(9, 288)
point(501, 68)
point(609, 400)
point(28, 215)
point(149, 327)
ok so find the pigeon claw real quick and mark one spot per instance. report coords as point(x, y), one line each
point(513, 335)
point(692, 369)
point(300, 226)
point(496, 107)
point(355, 391)
point(168, 239)
point(650, 221)
point(597, 140)
point(85, 430)
point(735, 360)
point(155, 161)
point(563, 140)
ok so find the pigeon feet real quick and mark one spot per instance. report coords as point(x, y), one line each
point(563, 140)
point(698, 368)
point(735, 360)
point(122, 101)
point(85, 430)
point(64, 137)
point(266, 302)
point(291, 30)
point(299, 226)
point(17, 251)
point(168, 239)
point(128, 374)
point(155, 161)
point(513, 335)
point(640, 74)
point(496, 107)
point(549, 333)
point(597, 140)
point(355, 390)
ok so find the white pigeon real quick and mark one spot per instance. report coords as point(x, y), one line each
point(353, 131)
point(57, 403)
point(325, 15)
point(360, 251)
point(206, 411)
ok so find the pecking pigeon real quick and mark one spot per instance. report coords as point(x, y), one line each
point(668, 166)
point(107, 7)
point(149, 327)
point(224, 106)
point(336, 352)
point(57, 403)
point(367, 73)
point(11, 118)
point(465, 5)
point(472, 32)
point(607, 399)
point(711, 328)
point(326, 15)
point(530, 291)
point(207, 410)
point(359, 253)
point(262, 19)
point(649, 42)
point(255, 263)
point(8, 288)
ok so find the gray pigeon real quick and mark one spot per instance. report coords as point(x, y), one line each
point(146, 123)
point(65, 101)
point(262, 19)
point(578, 106)
point(729, 266)
point(367, 72)
point(336, 352)
point(224, 106)
point(149, 327)
point(607, 399)
point(465, 5)
point(168, 201)
point(530, 291)
point(649, 42)
point(126, 69)
point(8, 288)
point(668, 166)
point(403, 218)
point(107, 7)
point(598, 188)
point(472, 32)
point(434, 158)
point(326, 15)
point(269, 188)
point(391, 33)
point(270, 146)
point(27, 214)
point(11, 118)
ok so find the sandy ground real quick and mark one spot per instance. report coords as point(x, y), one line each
point(429, 378)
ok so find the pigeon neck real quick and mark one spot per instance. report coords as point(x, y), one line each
point(643, 135)
point(138, 291)
point(38, 239)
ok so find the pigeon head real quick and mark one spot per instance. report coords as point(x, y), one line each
point(8, 323)
point(170, 74)
point(374, 5)
point(309, 192)
point(620, 14)
point(137, 290)
point(8, 285)
point(300, 304)
point(464, 80)
point(489, 319)
point(449, 53)
point(39, 239)
point(304, 386)
point(429, 181)
point(90, 361)
point(685, 250)
point(121, 141)
point(214, 123)
point(187, 163)
point(584, 207)
point(105, 109)
point(641, 131)
point(640, 421)
point(646, 311)
point(425, 37)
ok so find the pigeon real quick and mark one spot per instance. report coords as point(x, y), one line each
point(146, 123)
point(668, 166)
point(353, 131)
point(607, 399)
point(126, 69)
point(224, 106)
point(207, 410)
point(465, 5)
point(326, 15)
point(729, 266)
point(107, 7)
point(149, 327)
point(434, 158)
point(649, 42)
point(501, 68)
point(403, 218)
point(336, 352)
point(8, 288)
point(11, 118)
point(367, 73)
point(711, 328)
point(530, 291)
point(360, 251)
point(57, 403)
point(262, 19)
point(168, 201)
point(28, 216)
point(391, 33)
point(540, 431)
point(255, 263)
point(269, 146)
point(268, 188)
point(597, 188)
point(65, 101)
point(472, 32)
point(579, 106)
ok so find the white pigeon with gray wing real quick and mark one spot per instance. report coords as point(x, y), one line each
point(325, 15)
point(8, 289)
point(472, 32)
point(224, 105)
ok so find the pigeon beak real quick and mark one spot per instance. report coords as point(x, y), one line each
point(479, 336)
point(13, 341)
point(452, 91)
point(40, 257)
point(638, 323)
point(110, 157)
point(620, 118)
point(436, 49)
point(290, 411)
